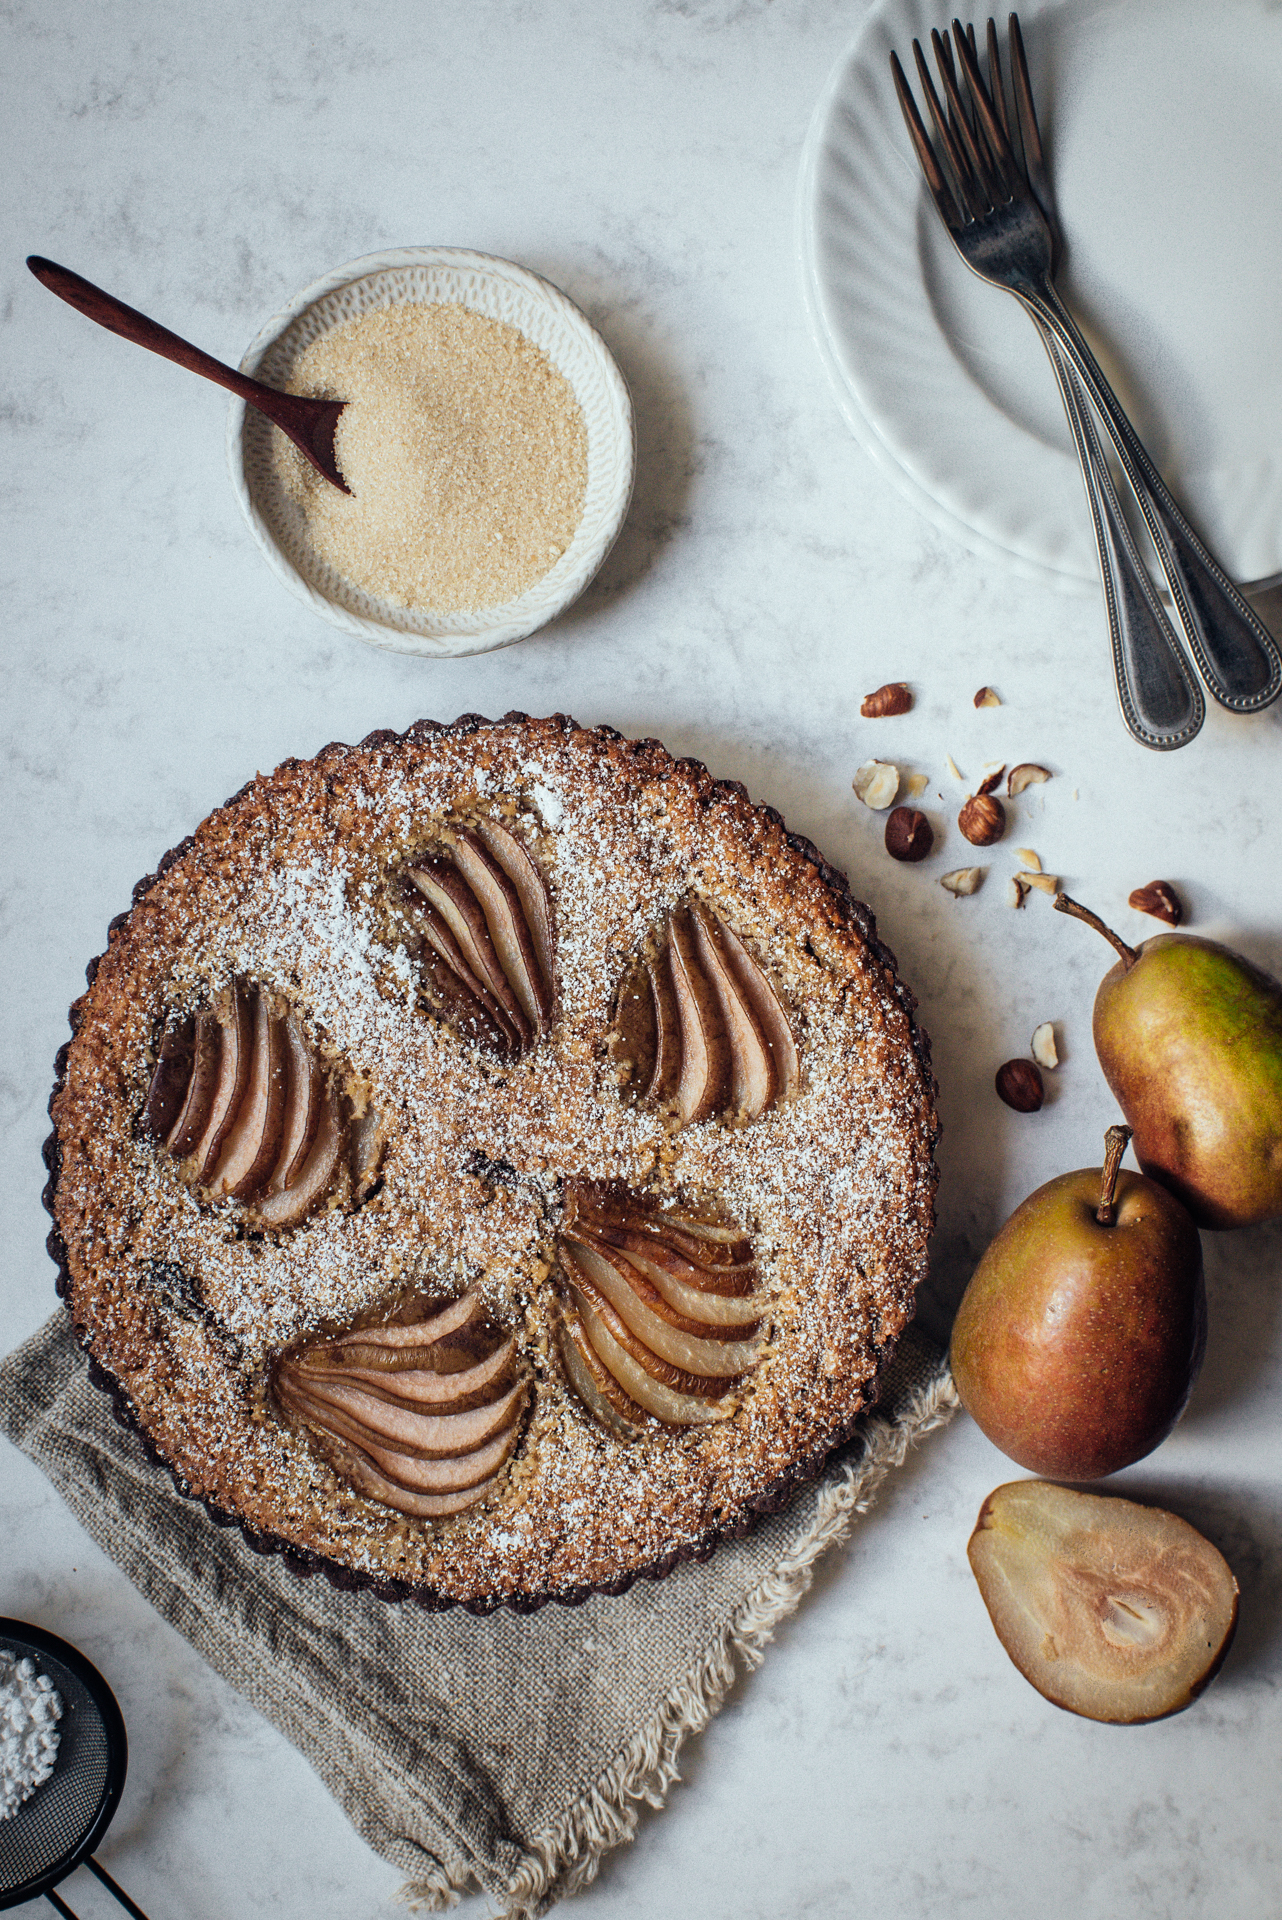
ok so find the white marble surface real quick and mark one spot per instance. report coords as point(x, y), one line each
point(204, 164)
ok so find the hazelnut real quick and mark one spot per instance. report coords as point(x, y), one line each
point(1043, 1048)
point(987, 698)
point(1024, 775)
point(1019, 1084)
point(982, 819)
point(1017, 891)
point(877, 783)
point(909, 834)
point(1160, 899)
point(895, 697)
point(963, 880)
point(992, 777)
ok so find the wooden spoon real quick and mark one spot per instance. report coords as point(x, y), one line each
point(309, 424)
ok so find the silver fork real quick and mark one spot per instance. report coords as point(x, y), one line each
point(1157, 691)
point(994, 218)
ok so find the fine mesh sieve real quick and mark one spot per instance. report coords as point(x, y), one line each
point(56, 1830)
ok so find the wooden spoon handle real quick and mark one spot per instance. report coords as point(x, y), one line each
point(132, 325)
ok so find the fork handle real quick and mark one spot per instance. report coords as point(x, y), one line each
point(1235, 653)
point(1157, 691)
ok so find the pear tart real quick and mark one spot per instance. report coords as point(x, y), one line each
point(492, 1162)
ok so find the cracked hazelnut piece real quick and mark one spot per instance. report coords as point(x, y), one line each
point(255, 1120)
point(894, 698)
point(419, 1413)
point(1043, 1048)
point(982, 820)
point(909, 834)
point(963, 880)
point(987, 698)
point(877, 783)
point(700, 1026)
point(1019, 1084)
point(1160, 899)
point(480, 910)
point(663, 1312)
point(1115, 1611)
point(1022, 776)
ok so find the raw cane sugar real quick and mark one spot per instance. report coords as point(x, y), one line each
point(465, 450)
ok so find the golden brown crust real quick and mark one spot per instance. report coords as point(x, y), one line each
point(182, 1306)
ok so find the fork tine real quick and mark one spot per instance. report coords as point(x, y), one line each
point(996, 85)
point(1003, 159)
point(979, 169)
point(941, 191)
point(964, 195)
point(1025, 112)
point(971, 202)
point(961, 153)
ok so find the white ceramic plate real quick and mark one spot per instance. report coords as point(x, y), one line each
point(501, 291)
point(1163, 124)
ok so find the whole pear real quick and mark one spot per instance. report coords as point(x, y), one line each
point(1083, 1327)
point(1189, 1035)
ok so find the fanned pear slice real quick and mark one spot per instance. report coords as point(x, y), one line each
point(519, 866)
point(253, 1142)
point(752, 1073)
point(668, 1373)
point(692, 1345)
point(170, 1079)
point(697, 1303)
point(505, 918)
point(293, 1204)
point(465, 998)
point(229, 1091)
point(1113, 1610)
point(666, 1071)
point(193, 1114)
point(674, 1408)
point(705, 1050)
point(459, 907)
point(357, 1467)
point(304, 1098)
point(596, 1387)
point(769, 1009)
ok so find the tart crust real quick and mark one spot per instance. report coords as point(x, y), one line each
point(184, 1304)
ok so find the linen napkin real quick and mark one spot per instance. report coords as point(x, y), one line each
point(507, 1752)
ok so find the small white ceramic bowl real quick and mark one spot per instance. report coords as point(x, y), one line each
point(500, 291)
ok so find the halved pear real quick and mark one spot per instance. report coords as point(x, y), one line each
point(752, 1074)
point(171, 1077)
point(253, 1141)
point(193, 1114)
point(304, 1099)
point(1113, 1610)
point(705, 1049)
point(505, 918)
point(288, 1207)
point(229, 1090)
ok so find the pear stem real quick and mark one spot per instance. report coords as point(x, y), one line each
point(1116, 1141)
point(1127, 955)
